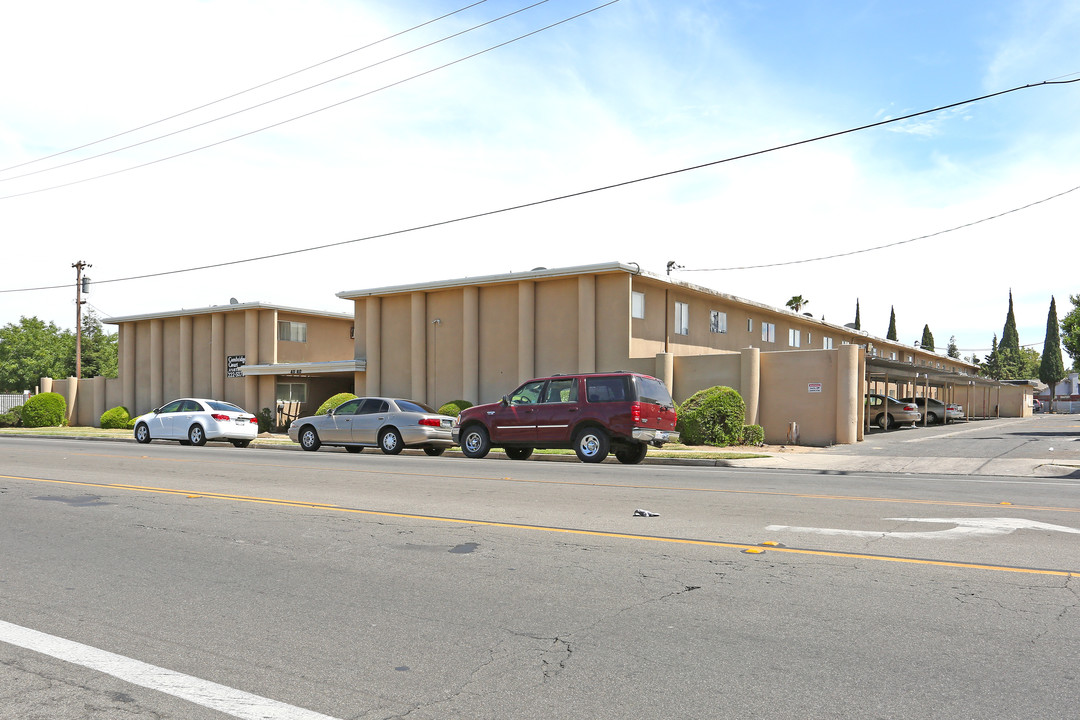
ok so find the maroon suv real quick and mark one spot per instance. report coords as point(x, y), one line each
point(592, 413)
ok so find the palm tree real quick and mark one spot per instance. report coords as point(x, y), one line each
point(796, 303)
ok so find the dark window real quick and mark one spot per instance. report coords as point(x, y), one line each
point(222, 406)
point(651, 390)
point(607, 389)
point(410, 406)
point(349, 407)
point(561, 391)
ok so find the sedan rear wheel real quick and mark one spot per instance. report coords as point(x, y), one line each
point(354, 448)
point(241, 443)
point(931, 417)
point(883, 421)
point(518, 453)
point(390, 441)
point(196, 435)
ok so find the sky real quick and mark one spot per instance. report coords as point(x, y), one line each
point(147, 138)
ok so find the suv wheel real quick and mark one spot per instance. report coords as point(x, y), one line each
point(591, 445)
point(631, 453)
point(475, 442)
point(518, 453)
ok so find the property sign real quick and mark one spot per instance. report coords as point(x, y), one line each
point(813, 387)
point(233, 363)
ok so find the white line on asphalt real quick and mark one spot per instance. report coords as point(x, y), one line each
point(201, 692)
point(959, 432)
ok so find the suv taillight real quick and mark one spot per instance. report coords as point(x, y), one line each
point(635, 412)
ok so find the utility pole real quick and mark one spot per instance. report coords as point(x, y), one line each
point(82, 285)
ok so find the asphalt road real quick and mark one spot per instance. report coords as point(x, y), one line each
point(365, 586)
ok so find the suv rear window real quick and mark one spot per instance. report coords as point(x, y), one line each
point(607, 389)
point(651, 390)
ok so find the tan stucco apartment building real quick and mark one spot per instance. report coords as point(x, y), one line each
point(478, 338)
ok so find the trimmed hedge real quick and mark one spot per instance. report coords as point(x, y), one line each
point(266, 420)
point(333, 402)
point(753, 435)
point(454, 407)
point(713, 416)
point(45, 410)
point(9, 419)
point(116, 418)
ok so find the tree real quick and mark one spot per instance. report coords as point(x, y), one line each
point(99, 349)
point(858, 323)
point(31, 350)
point(891, 335)
point(1010, 339)
point(953, 351)
point(927, 341)
point(796, 303)
point(1070, 326)
point(1052, 368)
point(992, 367)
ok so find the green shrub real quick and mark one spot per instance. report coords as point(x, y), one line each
point(713, 416)
point(117, 417)
point(753, 435)
point(9, 419)
point(17, 412)
point(45, 410)
point(454, 407)
point(266, 420)
point(333, 402)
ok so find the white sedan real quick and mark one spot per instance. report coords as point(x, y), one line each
point(193, 421)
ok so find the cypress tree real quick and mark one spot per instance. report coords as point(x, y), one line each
point(891, 335)
point(927, 342)
point(858, 323)
point(1010, 339)
point(1052, 368)
point(991, 367)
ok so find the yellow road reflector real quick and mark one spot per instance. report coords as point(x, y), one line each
point(753, 551)
point(771, 543)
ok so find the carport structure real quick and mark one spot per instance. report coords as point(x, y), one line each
point(902, 379)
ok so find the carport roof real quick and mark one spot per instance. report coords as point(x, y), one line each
point(900, 369)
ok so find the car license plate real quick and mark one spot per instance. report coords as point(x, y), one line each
point(241, 421)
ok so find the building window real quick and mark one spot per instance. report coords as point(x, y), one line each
point(892, 356)
point(637, 304)
point(793, 337)
point(826, 342)
point(768, 332)
point(718, 321)
point(749, 324)
point(292, 331)
point(809, 340)
point(292, 392)
point(682, 318)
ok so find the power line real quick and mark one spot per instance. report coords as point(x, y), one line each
point(237, 94)
point(580, 193)
point(308, 114)
point(267, 102)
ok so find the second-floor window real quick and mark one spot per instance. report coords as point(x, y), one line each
point(768, 332)
point(826, 342)
point(718, 321)
point(794, 338)
point(292, 331)
point(682, 318)
point(637, 304)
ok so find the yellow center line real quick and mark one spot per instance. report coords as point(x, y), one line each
point(544, 528)
point(573, 483)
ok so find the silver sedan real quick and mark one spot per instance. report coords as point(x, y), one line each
point(390, 424)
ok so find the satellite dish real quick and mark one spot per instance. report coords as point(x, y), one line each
point(234, 301)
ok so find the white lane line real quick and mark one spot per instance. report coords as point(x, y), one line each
point(201, 692)
point(963, 527)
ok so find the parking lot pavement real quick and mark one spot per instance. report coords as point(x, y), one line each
point(1038, 446)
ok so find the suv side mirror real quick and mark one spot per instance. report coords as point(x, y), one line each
point(505, 400)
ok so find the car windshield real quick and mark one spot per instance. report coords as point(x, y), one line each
point(224, 406)
point(651, 390)
point(410, 406)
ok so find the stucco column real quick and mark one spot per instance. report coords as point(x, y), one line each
point(526, 330)
point(470, 344)
point(186, 387)
point(71, 396)
point(665, 370)
point(157, 364)
point(373, 338)
point(848, 395)
point(750, 384)
point(98, 385)
point(586, 324)
point(418, 373)
point(251, 357)
point(127, 367)
point(217, 356)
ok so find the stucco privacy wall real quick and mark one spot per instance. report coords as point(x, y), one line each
point(819, 390)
